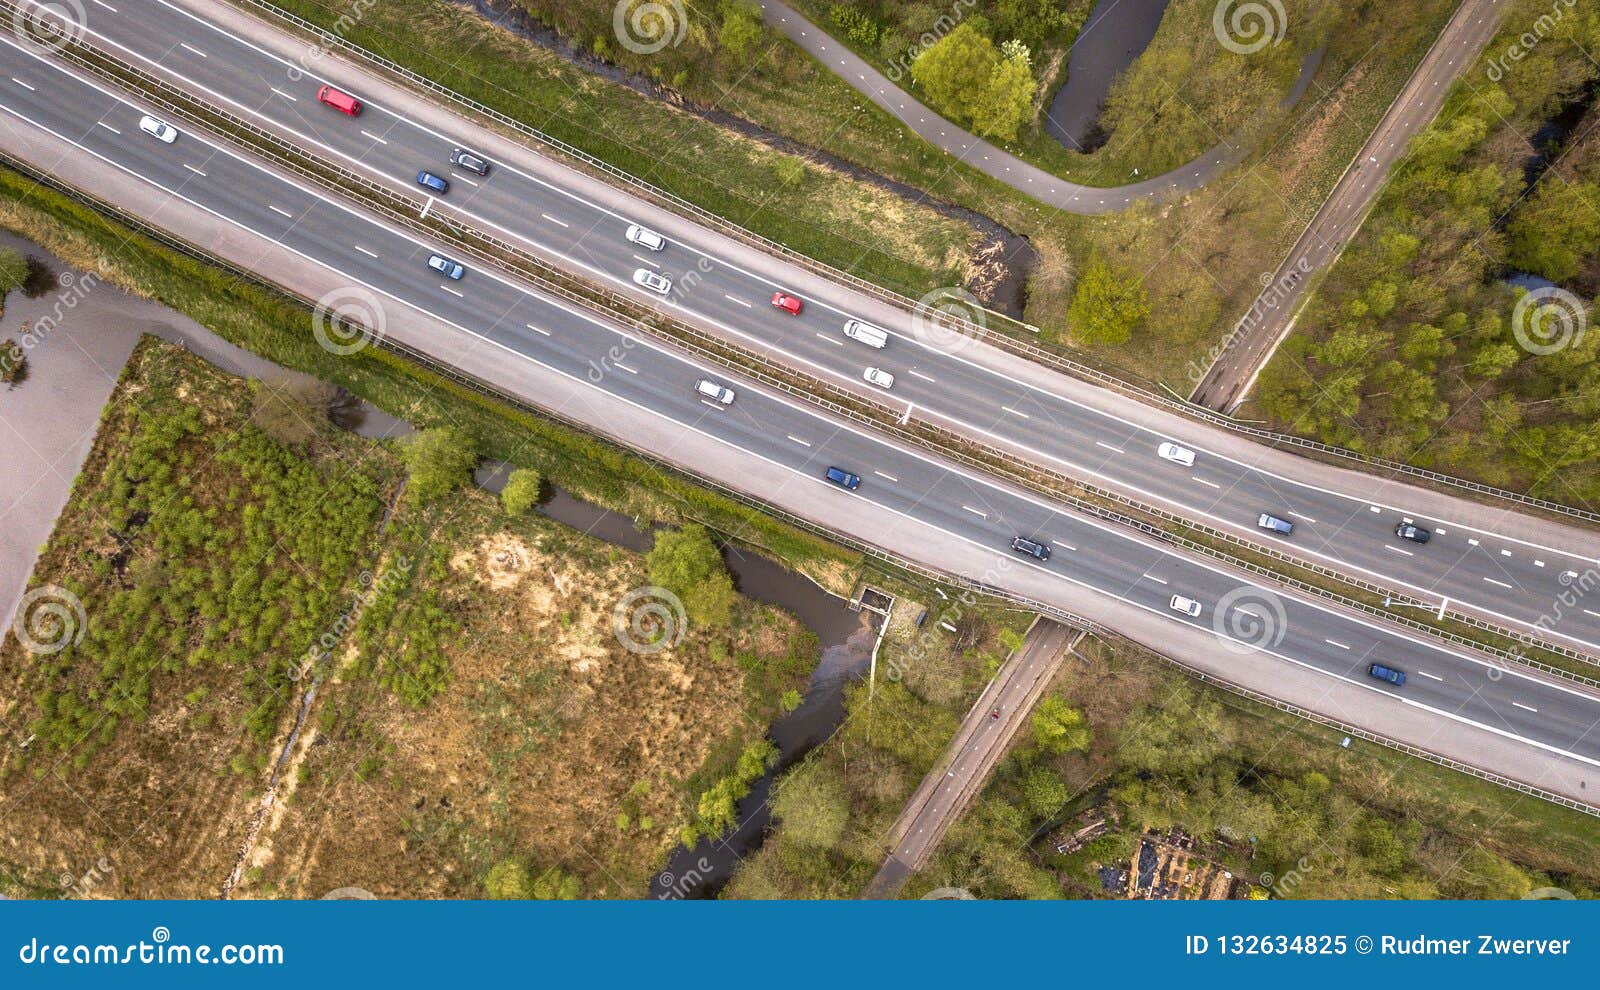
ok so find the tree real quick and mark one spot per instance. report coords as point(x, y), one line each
point(1106, 305)
point(292, 411)
point(742, 29)
point(508, 880)
point(521, 492)
point(1058, 727)
point(811, 804)
point(555, 884)
point(1044, 792)
point(1006, 101)
point(956, 69)
point(13, 270)
point(439, 460)
point(1553, 232)
point(687, 563)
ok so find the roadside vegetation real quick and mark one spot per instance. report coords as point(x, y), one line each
point(1416, 347)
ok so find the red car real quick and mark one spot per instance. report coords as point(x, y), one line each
point(343, 102)
point(787, 303)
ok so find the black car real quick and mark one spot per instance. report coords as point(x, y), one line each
point(463, 159)
point(1412, 532)
point(1036, 550)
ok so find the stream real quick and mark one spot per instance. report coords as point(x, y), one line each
point(1116, 33)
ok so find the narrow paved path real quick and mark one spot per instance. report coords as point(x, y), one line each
point(980, 154)
point(978, 745)
point(1256, 337)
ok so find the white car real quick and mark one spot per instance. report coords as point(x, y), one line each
point(158, 129)
point(878, 377)
point(1188, 606)
point(645, 237)
point(650, 280)
point(712, 392)
point(1173, 452)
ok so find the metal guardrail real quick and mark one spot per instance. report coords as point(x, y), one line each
point(408, 212)
point(1080, 366)
point(882, 557)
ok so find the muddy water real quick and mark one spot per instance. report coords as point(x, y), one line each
point(1116, 33)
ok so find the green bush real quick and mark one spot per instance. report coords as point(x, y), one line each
point(439, 460)
point(521, 492)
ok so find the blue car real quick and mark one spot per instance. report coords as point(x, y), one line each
point(1382, 673)
point(428, 180)
point(843, 478)
point(446, 267)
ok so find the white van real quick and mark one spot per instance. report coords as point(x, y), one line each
point(866, 333)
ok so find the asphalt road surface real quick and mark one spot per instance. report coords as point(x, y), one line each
point(1258, 335)
point(967, 510)
point(1505, 567)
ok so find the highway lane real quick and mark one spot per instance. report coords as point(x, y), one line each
point(591, 353)
point(1515, 581)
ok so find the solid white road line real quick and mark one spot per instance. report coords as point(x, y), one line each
point(1526, 708)
point(370, 254)
point(24, 85)
point(1156, 579)
point(280, 210)
point(188, 47)
point(886, 477)
point(453, 292)
point(1064, 546)
point(1334, 642)
point(558, 223)
point(1015, 412)
point(369, 134)
point(1107, 446)
point(917, 374)
point(1408, 553)
point(736, 299)
point(976, 512)
point(798, 440)
point(288, 96)
point(535, 329)
point(647, 261)
point(1434, 677)
point(828, 337)
point(1203, 481)
point(1500, 583)
point(108, 127)
point(194, 170)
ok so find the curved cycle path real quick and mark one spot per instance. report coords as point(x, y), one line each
point(980, 154)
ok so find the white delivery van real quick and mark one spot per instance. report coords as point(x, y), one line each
point(866, 333)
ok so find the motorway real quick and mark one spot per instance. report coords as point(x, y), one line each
point(1503, 567)
point(39, 97)
point(1256, 338)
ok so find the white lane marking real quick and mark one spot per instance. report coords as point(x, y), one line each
point(918, 374)
point(1015, 412)
point(1107, 446)
point(288, 96)
point(736, 299)
point(1505, 553)
point(647, 261)
point(1156, 579)
point(1431, 677)
point(461, 178)
point(829, 338)
point(373, 136)
point(798, 440)
point(1212, 484)
point(1526, 708)
point(108, 127)
point(107, 6)
point(453, 292)
point(976, 512)
point(1334, 642)
point(370, 254)
point(1408, 553)
point(1590, 611)
point(714, 405)
point(622, 367)
point(24, 85)
point(558, 223)
point(194, 170)
point(1064, 546)
point(1440, 530)
point(535, 329)
point(1374, 508)
point(1500, 583)
point(426, 207)
point(1538, 563)
point(284, 212)
point(1471, 542)
point(887, 477)
point(188, 47)
point(1301, 515)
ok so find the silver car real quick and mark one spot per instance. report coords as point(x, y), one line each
point(654, 281)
